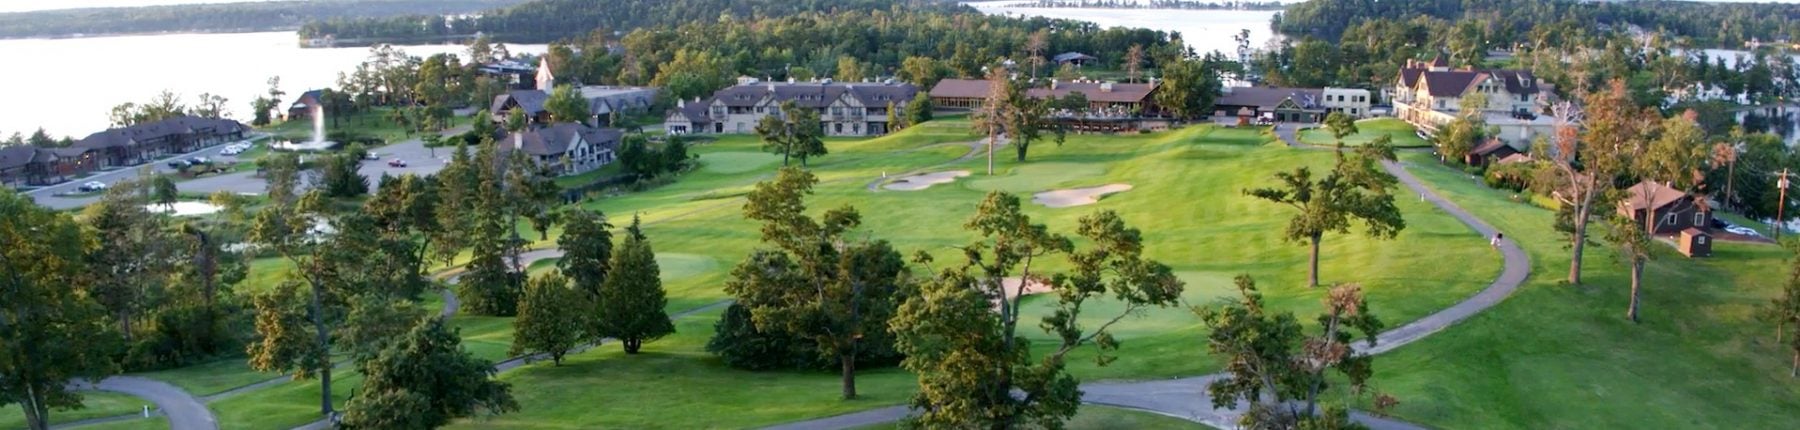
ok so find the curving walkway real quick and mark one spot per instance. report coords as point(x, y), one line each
point(184, 411)
point(1187, 398)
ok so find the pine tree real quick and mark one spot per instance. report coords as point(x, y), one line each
point(552, 318)
point(587, 246)
point(632, 298)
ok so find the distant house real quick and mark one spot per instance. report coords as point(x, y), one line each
point(1308, 105)
point(602, 102)
point(1673, 209)
point(1429, 96)
point(566, 148)
point(1074, 58)
point(845, 109)
point(26, 165)
point(306, 104)
point(141, 143)
point(1493, 150)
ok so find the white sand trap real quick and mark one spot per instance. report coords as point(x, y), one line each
point(183, 208)
point(1077, 196)
point(1011, 286)
point(920, 182)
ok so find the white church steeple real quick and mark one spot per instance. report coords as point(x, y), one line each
point(545, 81)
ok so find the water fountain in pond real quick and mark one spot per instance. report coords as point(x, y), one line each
point(318, 142)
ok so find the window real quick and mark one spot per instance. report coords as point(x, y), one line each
point(1669, 219)
point(1700, 240)
point(1700, 219)
point(839, 127)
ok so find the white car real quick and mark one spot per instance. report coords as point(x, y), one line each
point(91, 186)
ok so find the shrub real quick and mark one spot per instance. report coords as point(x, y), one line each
point(739, 344)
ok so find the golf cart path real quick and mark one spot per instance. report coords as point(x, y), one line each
point(184, 411)
point(1187, 398)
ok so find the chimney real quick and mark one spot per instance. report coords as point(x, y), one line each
point(1106, 87)
point(1052, 83)
point(681, 103)
point(771, 87)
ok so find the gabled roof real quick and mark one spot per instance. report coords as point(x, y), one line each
point(1267, 98)
point(1491, 147)
point(160, 129)
point(555, 139)
point(530, 100)
point(1515, 158)
point(695, 111)
point(1409, 77)
point(1106, 92)
point(961, 88)
point(814, 95)
point(1072, 56)
point(12, 157)
point(1659, 195)
point(1451, 83)
point(1440, 60)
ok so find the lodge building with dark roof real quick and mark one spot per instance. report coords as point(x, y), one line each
point(1429, 95)
point(845, 109)
point(27, 165)
point(566, 148)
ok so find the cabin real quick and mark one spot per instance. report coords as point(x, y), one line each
point(1493, 150)
point(845, 109)
point(27, 165)
point(308, 103)
point(1673, 210)
point(142, 143)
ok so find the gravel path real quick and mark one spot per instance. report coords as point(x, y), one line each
point(1187, 398)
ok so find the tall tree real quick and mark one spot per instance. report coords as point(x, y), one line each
point(553, 318)
point(794, 133)
point(1579, 186)
point(1188, 88)
point(632, 298)
point(425, 380)
point(1356, 189)
point(133, 270)
point(587, 246)
point(1035, 47)
point(918, 111)
point(51, 332)
point(285, 226)
point(490, 283)
point(1134, 62)
point(566, 105)
point(814, 281)
point(1273, 363)
point(1031, 119)
point(960, 331)
point(996, 112)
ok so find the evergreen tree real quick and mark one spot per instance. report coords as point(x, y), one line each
point(553, 318)
point(587, 246)
point(918, 111)
point(489, 284)
point(632, 298)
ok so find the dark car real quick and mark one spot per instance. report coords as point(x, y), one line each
point(396, 163)
point(179, 164)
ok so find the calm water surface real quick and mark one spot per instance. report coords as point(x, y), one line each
point(67, 86)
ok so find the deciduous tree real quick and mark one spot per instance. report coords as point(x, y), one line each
point(1273, 363)
point(814, 281)
point(51, 332)
point(1355, 190)
point(425, 380)
point(587, 246)
point(553, 318)
point(960, 332)
point(1340, 125)
point(565, 104)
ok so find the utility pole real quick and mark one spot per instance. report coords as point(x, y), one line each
point(1779, 221)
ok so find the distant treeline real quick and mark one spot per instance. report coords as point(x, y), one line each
point(547, 20)
point(223, 17)
point(1707, 24)
point(1154, 4)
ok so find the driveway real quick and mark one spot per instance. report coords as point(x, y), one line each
point(419, 159)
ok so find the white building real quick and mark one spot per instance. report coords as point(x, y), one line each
point(845, 109)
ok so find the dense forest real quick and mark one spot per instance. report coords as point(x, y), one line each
point(1706, 24)
point(546, 20)
point(222, 17)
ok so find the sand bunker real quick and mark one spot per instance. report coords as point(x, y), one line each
point(1011, 285)
point(1077, 196)
point(920, 182)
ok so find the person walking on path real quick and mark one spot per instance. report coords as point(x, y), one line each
point(1495, 242)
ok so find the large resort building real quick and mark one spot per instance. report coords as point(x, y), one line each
point(845, 109)
point(1304, 105)
point(126, 146)
point(1429, 96)
point(566, 148)
point(602, 100)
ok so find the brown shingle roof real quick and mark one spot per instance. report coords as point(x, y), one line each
point(555, 139)
point(1662, 195)
point(1108, 92)
point(1269, 97)
point(961, 88)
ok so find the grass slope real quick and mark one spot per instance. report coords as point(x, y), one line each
point(96, 404)
point(1403, 134)
point(1561, 356)
point(1188, 201)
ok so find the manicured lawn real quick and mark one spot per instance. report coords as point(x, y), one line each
point(1560, 356)
point(283, 406)
point(1096, 417)
point(152, 423)
point(1403, 134)
point(211, 378)
point(96, 404)
point(1188, 201)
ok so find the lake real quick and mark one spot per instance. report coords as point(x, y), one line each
point(1203, 30)
point(67, 86)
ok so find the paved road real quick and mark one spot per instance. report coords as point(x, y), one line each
point(48, 196)
point(184, 411)
point(1187, 398)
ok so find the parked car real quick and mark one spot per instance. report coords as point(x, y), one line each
point(371, 156)
point(198, 160)
point(91, 186)
point(396, 163)
point(232, 150)
point(179, 164)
